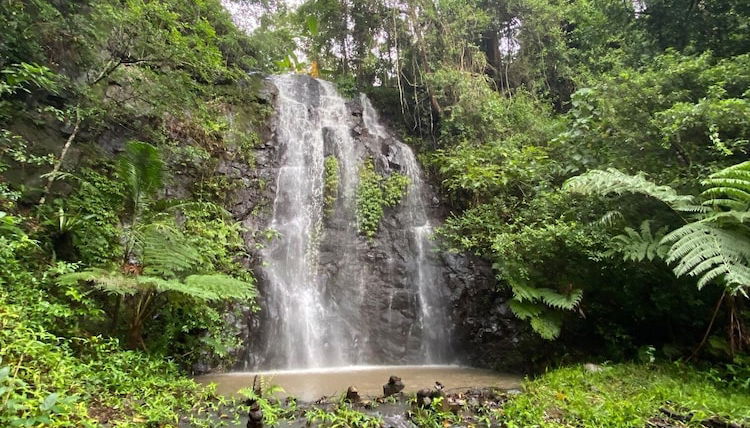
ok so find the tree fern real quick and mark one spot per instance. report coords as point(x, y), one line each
point(613, 181)
point(636, 245)
point(166, 253)
point(729, 188)
point(705, 251)
point(714, 247)
point(213, 287)
point(109, 281)
point(220, 287)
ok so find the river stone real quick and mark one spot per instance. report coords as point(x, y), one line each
point(394, 386)
point(352, 395)
point(592, 368)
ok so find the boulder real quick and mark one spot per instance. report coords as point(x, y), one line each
point(352, 395)
point(394, 386)
point(255, 416)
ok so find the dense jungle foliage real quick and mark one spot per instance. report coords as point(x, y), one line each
point(594, 151)
point(508, 100)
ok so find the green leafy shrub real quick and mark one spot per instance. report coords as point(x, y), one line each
point(374, 193)
point(330, 183)
point(50, 381)
point(342, 415)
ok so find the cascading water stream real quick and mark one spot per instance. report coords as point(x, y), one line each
point(321, 279)
point(436, 329)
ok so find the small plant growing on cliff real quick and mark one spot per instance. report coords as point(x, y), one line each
point(374, 193)
point(330, 183)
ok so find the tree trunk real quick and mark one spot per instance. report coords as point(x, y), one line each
point(135, 335)
point(491, 45)
point(423, 56)
point(739, 339)
point(116, 314)
point(58, 165)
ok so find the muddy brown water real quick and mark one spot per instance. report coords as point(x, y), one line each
point(311, 384)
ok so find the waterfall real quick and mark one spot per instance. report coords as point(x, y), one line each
point(330, 297)
point(433, 317)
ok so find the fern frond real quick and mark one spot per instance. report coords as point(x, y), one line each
point(703, 250)
point(221, 287)
point(729, 188)
point(637, 246)
point(560, 301)
point(523, 292)
point(613, 181)
point(166, 252)
point(610, 218)
point(546, 326)
point(732, 216)
point(109, 281)
point(525, 310)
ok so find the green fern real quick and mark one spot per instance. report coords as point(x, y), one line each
point(525, 310)
point(523, 292)
point(212, 287)
point(109, 281)
point(539, 305)
point(729, 189)
point(165, 251)
point(561, 301)
point(613, 181)
point(547, 326)
point(705, 251)
point(640, 245)
point(714, 247)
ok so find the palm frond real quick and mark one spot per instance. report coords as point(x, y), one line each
point(613, 181)
point(142, 170)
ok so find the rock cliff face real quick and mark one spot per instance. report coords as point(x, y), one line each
point(332, 297)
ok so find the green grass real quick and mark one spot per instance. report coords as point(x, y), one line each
point(623, 395)
point(50, 381)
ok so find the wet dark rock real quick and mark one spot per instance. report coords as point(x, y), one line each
point(394, 386)
point(255, 415)
point(352, 395)
point(386, 322)
point(425, 396)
